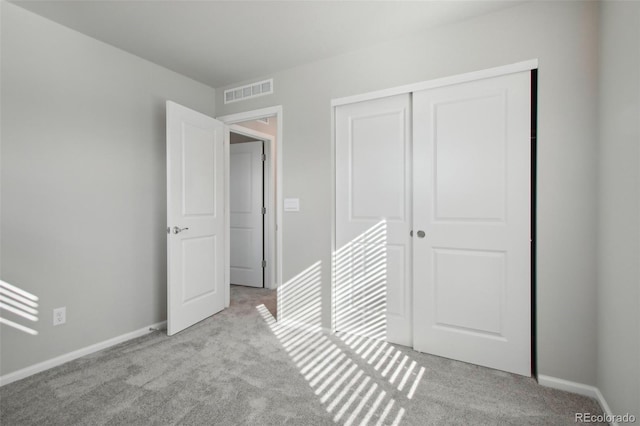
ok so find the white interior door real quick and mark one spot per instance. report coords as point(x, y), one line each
point(246, 203)
point(472, 259)
point(196, 240)
point(373, 216)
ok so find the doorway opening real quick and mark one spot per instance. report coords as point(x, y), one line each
point(248, 184)
point(265, 126)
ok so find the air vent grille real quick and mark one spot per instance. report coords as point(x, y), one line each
point(252, 90)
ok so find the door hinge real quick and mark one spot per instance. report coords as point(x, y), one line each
point(264, 263)
point(264, 210)
point(264, 157)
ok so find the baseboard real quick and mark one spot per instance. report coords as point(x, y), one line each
point(580, 389)
point(566, 385)
point(605, 406)
point(59, 360)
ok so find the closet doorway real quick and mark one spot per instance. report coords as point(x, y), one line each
point(433, 218)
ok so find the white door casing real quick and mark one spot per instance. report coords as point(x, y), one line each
point(472, 195)
point(274, 146)
point(246, 214)
point(196, 217)
point(372, 261)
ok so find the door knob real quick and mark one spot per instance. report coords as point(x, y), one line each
point(177, 230)
point(421, 234)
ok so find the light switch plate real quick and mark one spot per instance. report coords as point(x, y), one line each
point(291, 204)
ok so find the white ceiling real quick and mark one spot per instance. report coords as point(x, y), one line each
point(223, 42)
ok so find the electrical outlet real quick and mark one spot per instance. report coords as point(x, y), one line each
point(60, 315)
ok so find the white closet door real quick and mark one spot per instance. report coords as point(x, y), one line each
point(373, 217)
point(472, 270)
point(246, 217)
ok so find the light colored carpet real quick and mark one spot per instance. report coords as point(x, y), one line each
point(240, 367)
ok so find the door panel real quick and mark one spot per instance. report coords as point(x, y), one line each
point(198, 265)
point(472, 197)
point(195, 207)
point(373, 208)
point(198, 171)
point(461, 304)
point(470, 177)
point(246, 202)
point(378, 164)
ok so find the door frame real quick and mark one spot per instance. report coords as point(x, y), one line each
point(269, 231)
point(274, 176)
point(528, 65)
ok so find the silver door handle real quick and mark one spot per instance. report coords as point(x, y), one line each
point(421, 234)
point(177, 230)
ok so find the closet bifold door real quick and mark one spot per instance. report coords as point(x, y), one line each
point(471, 217)
point(372, 261)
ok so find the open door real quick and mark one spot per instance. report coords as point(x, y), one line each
point(196, 217)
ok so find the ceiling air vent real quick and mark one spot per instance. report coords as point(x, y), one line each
point(252, 90)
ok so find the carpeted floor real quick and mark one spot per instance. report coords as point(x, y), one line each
point(240, 367)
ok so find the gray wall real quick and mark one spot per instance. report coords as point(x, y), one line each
point(564, 37)
point(83, 184)
point(619, 213)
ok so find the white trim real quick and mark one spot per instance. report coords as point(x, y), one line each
point(277, 146)
point(568, 386)
point(62, 359)
point(439, 82)
point(270, 229)
point(245, 131)
point(252, 115)
point(227, 217)
point(332, 297)
point(269, 216)
point(578, 388)
point(604, 405)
